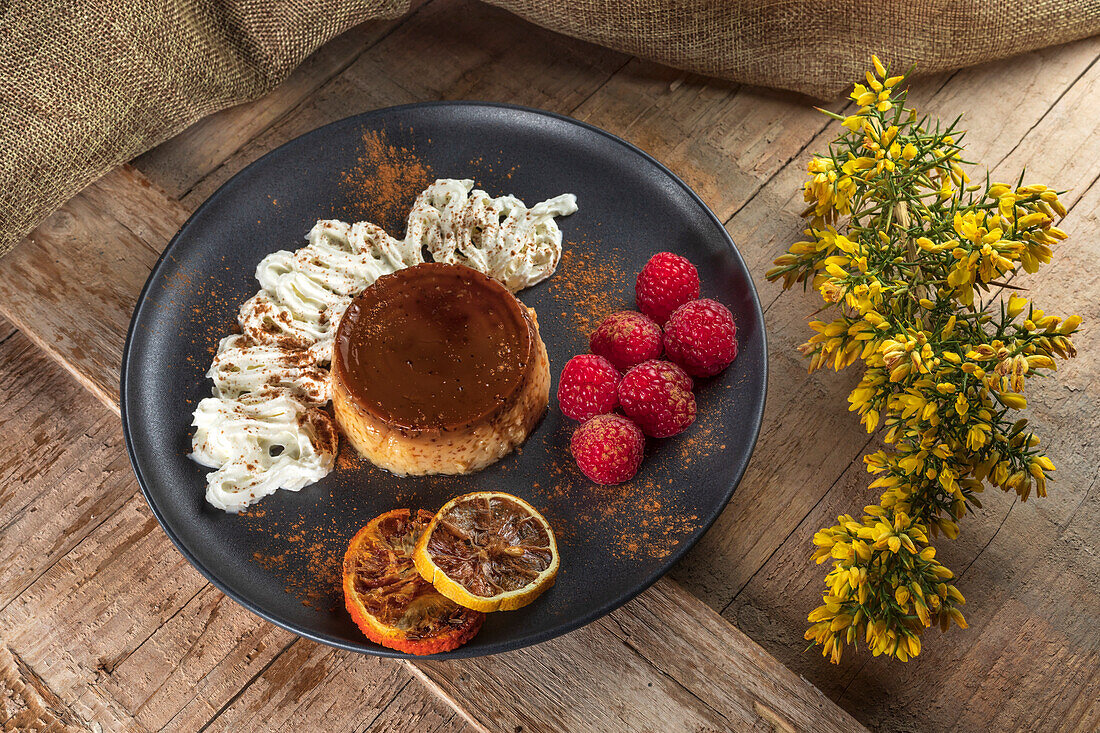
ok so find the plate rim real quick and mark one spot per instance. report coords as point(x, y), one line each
point(463, 652)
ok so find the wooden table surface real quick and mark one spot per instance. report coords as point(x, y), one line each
point(104, 625)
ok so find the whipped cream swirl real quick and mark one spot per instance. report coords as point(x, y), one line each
point(499, 237)
point(265, 427)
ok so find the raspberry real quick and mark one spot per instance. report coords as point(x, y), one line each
point(608, 449)
point(587, 387)
point(701, 337)
point(626, 338)
point(657, 395)
point(665, 283)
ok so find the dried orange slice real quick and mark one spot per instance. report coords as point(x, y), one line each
point(387, 598)
point(488, 551)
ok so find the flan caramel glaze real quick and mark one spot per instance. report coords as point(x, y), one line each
point(438, 369)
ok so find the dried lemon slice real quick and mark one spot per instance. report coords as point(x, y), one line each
point(389, 602)
point(488, 551)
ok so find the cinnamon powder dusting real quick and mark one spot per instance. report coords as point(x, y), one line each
point(589, 285)
point(307, 556)
point(706, 435)
point(384, 182)
point(644, 518)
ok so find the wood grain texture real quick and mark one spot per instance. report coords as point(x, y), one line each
point(724, 140)
point(310, 682)
point(72, 285)
point(412, 710)
point(63, 470)
point(99, 602)
point(700, 660)
point(196, 663)
point(63, 475)
point(28, 703)
point(102, 622)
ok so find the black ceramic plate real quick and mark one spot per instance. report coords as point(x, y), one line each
point(282, 559)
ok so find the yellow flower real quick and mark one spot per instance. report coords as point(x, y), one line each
point(1070, 325)
point(1015, 305)
point(957, 616)
point(1036, 219)
point(977, 436)
point(900, 246)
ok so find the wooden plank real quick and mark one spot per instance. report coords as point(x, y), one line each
point(137, 204)
point(29, 704)
point(63, 469)
point(179, 163)
point(311, 685)
point(585, 681)
point(1024, 568)
point(412, 710)
point(725, 141)
point(92, 607)
point(194, 664)
point(71, 286)
point(63, 474)
point(709, 677)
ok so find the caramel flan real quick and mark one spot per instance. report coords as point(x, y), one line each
point(438, 368)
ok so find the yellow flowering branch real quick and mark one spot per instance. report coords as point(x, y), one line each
point(900, 246)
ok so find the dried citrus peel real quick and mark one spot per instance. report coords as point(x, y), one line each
point(389, 601)
point(488, 551)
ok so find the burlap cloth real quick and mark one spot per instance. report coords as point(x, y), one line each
point(87, 85)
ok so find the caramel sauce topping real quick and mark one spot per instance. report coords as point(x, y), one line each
point(433, 346)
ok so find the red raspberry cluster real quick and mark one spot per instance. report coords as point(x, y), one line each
point(625, 371)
